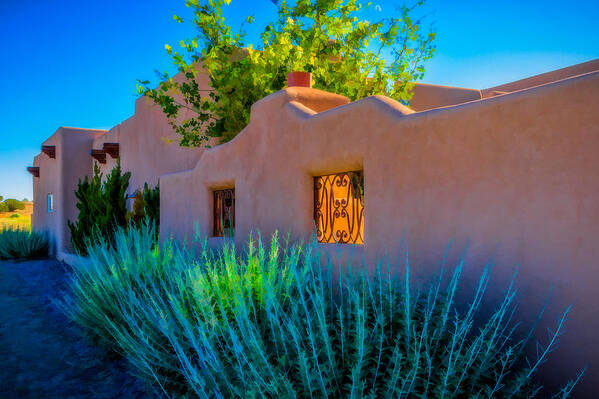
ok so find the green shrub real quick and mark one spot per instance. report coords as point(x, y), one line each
point(102, 207)
point(11, 205)
point(15, 216)
point(23, 244)
point(146, 205)
point(274, 322)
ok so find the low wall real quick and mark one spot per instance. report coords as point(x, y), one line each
point(513, 178)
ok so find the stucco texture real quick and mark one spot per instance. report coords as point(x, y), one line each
point(148, 146)
point(512, 178)
point(59, 176)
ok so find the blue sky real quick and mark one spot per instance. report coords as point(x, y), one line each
point(75, 63)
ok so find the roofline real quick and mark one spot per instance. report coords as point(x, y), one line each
point(548, 77)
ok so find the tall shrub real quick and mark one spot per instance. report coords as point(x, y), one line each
point(102, 207)
point(146, 205)
point(274, 322)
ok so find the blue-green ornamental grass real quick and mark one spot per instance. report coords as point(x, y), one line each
point(20, 243)
point(274, 322)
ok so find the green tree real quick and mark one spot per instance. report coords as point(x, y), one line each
point(346, 54)
point(11, 205)
point(102, 207)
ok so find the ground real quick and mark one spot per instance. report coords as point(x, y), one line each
point(23, 218)
point(42, 355)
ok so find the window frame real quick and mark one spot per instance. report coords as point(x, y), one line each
point(220, 209)
point(333, 212)
point(50, 203)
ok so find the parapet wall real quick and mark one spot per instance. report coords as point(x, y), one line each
point(427, 96)
point(512, 178)
point(547, 77)
point(148, 146)
point(145, 143)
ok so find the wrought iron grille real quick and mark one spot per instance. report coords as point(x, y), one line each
point(224, 212)
point(339, 208)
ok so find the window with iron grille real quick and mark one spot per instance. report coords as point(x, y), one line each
point(339, 208)
point(224, 213)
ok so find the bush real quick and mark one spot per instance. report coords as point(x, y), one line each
point(11, 205)
point(146, 205)
point(274, 323)
point(23, 244)
point(102, 207)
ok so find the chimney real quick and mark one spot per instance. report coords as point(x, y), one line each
point(299, 79)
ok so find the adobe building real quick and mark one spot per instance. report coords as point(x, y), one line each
point(510, 173)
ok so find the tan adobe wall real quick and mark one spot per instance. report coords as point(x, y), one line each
point(60, 176)
point(428, 96)
point(148, 145)
point(513, 178)
point(148, 148)
point(548, 77)
point(112, 136)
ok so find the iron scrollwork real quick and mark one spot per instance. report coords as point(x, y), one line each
point(224, 212)
point(339, 208)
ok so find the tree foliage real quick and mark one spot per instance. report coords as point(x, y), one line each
point(346, 54)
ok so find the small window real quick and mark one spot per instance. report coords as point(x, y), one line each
point(50, 203)
point(339, 208)
point(224, 213)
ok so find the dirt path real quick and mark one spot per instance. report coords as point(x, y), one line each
point(41, 353)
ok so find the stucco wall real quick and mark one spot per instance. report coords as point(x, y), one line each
point(513, 178)
point(148, 145)
point(60, 176)
point(428, 96)
point(148, 148)
point(112, 136)
point(547, 77)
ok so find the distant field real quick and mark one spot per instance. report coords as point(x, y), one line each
point(22, 220)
